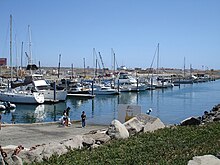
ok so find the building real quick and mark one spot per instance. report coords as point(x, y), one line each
point(3, 61)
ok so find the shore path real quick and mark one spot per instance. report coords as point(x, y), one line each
point(30, 135)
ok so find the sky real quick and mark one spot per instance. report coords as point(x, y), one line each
point(187, 29)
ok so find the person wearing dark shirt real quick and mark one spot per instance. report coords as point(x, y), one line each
point(83, 117)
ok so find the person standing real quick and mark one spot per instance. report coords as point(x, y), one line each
point(83, 117)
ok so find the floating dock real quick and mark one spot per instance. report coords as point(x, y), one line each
point(81, 95)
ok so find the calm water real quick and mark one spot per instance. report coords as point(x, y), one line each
point(170, 105)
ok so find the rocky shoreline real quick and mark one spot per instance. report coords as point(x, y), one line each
point(92, 139)
point(97, 137)
point(211, 116)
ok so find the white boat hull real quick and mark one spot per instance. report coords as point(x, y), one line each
point(22, 97)
point(49, 95)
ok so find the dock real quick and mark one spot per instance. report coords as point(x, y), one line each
point(81, 95)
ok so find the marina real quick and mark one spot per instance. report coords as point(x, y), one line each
point(171, 105)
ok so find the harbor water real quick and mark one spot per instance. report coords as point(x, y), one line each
point(171, 105)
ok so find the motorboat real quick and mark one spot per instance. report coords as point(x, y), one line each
point(100, 89)
point(40, 85)
point(128, 83)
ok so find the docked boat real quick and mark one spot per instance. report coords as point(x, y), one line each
point(127, 83)
point(15, 96)
point(23, 97)
point(101, 89)
point(40, 85)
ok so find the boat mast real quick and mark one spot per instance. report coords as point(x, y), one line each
point(94, 63)
point(72, 71)
point(11, 45)
point(158, 59)
point(84, 67)
point(30, 53)
point(59, 66)
point(22, 55)
point(184, 68)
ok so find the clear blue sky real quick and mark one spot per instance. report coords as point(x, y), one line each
point(72, 28)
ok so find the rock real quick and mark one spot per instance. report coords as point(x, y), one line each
point(190, 121)
point(117, 130)
point(100, 137)
point(8, 160)
point(150, 123)
point(88, 141)
point(17, 160)
point(95, 146)
point(53, 148)
point(31, 156)
point(75, 142)
point(204, 160)
point(216, 108)
point(96, 131)
point(133, 126)
point(217, 118)
point(2, 162)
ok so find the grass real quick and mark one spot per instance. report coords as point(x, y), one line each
point(176, 145)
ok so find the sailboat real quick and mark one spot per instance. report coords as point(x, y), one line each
point(19, 96)
point(184, 79)
point(39, 84)
point(157, 81)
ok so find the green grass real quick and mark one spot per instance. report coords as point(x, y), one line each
point(175, 146)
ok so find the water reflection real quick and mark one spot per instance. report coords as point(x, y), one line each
point(34, 113)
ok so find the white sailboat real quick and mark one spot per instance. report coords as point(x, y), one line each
point(14, 96)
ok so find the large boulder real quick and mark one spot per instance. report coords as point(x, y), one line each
point(53, 148)
point(150, 123)
point(133, 126)
point(31, 156)
point(190, 121)
point(117, 130)
point(88, 141)
point(100, 137)
point(204, 160)
point(74, 143)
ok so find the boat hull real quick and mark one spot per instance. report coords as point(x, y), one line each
point(23, 98)
point(49, 95)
